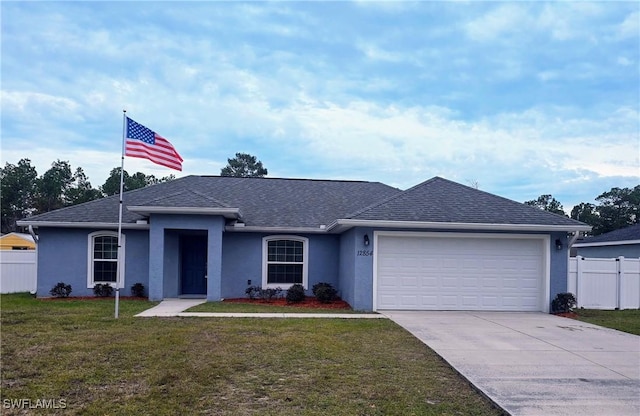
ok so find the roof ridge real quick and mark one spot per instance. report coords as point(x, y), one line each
point(388, 199)
point(510, 200)
point(224, 204)
point(289, 179)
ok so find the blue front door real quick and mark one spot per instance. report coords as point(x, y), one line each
point(193, 257)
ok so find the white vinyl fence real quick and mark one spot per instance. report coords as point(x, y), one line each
point(605, 283)
point(18, 271)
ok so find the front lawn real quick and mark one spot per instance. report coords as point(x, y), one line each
point(75, 350)
point(627, 320)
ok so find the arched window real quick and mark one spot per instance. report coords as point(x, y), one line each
point(284, 261)
point(103, 258)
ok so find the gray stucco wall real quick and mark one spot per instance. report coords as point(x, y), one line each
point(164, 258)
point(63, 257)
point(242, 261)
point(346, 273)
point(356, 268)
point(559, 267)
point(152, 258)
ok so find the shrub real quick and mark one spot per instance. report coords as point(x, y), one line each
point(269, 293)
point(563, 302)
point(137, 290)
point(324, 292)
point(253, 292)
point(256, 292)
point(103, 291)
point(317, 286)
point(295, 293)
point(61, 290)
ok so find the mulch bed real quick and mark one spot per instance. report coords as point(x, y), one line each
point(571, 315)
point(308, 302)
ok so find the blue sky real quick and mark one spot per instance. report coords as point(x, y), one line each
point(520, 98)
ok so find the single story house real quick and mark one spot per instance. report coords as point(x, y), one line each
point(17, 241)
point(624, 242)
point(439, 245)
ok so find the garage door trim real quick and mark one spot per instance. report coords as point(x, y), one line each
point(543, 238)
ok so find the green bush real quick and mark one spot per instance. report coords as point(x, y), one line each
point(324, 292)
point(563, 302)
point(103, 290)
point(253, 292)
point(295, 293)
point(61, 290)
point(256, 292)
point(137, 290)
point(270, 293)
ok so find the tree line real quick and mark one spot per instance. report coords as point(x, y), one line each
point(615, 209)
point(24, 193)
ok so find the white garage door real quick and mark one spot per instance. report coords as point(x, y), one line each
point(459, 273)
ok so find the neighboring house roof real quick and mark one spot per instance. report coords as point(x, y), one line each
point(310, 204)
point(627, 235)
point(10, 240)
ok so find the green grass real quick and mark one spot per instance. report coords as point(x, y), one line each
point(262, 308)
point(627, 320)
point(75, 350)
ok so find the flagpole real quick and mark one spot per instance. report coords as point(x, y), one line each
point(119, 257)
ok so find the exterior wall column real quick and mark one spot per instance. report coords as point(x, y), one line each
point(214, 260)
point(156, 262)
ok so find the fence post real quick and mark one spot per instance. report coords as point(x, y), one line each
point(619, 281)
point(578, 279)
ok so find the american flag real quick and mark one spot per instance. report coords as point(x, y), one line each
point(147, 144)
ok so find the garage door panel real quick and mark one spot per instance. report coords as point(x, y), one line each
point(454, 273)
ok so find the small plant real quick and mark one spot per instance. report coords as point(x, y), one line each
point(103, 291)
point(253, 292)
point(137, 290)
point(270, 293)
point(324, 292)
point(61, 290)
point(256, 292)
point(563, 302)
point(295, 293)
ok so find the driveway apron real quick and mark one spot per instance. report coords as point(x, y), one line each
point(535, 363)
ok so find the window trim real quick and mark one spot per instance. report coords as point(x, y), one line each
point(90, 245)
point(265, 263)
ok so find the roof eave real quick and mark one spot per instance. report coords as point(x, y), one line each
point(344, 224)
point(606, 243)
point(230, 213)
point(102, 225)
point(260, 229)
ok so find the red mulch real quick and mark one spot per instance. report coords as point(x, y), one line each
point(308, 302)
point(571, 315)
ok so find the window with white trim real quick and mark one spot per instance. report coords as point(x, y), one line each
point(103, 259)
point(285, 261)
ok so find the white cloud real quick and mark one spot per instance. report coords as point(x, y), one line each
point(501, 20)
point(21, 101)
point(630, 26)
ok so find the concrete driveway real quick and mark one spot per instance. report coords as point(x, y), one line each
point(535, 363)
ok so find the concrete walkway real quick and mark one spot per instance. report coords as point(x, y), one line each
point(535, 363)
point(176, 307)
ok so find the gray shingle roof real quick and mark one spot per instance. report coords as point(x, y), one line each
point(624, 234)
point(263, 202)
point(293, 203)
point(441, 200)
